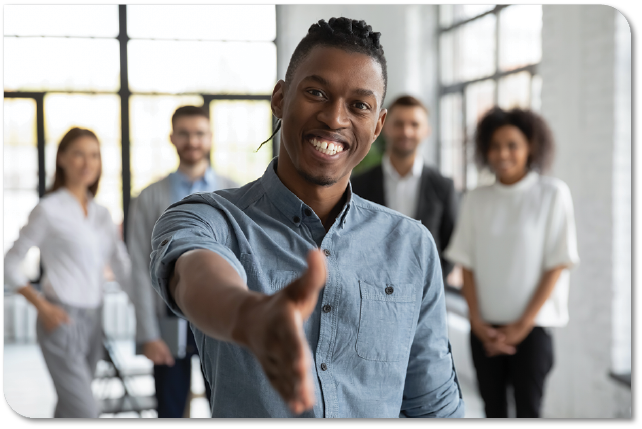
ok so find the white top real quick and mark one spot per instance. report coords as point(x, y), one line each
point(402, 193)
point(509, 236)
point(74, 250)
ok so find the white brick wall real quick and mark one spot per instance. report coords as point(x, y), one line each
point(579, 102)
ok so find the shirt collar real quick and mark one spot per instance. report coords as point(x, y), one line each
point(289, 204)
point(415, 171)
point(208, 178)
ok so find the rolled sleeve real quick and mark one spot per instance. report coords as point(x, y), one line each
point(432, 388)
point(184, 227)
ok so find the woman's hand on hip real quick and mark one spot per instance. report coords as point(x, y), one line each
point(53, 316)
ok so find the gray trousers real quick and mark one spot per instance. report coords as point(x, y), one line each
point(71, 352)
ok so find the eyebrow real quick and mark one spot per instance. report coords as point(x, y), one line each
point(360, 91)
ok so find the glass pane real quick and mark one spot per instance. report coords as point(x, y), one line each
point(476, 49)
point(453, 13)
point(520, 36)
point(101, 114)
point(536, 93)
point(239, 128)
point(152, 154)
point(61, 20)
point(38, 64)
point(20, 174)
point(451, 138)
point(468, 52)
point(515, 90)
point(447, 54)
point(207, 22)
point(480, 97)
point(215, 67)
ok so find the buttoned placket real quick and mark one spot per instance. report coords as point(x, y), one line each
point(328, 327)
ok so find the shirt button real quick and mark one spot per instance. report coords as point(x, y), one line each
point(327, 252)
point(389, 290)
point(296, 219)
point(327, 308)
point(164, 242)
point(308, 212)
point(324, 367)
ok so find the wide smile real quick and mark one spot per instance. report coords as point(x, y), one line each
point(326, 147)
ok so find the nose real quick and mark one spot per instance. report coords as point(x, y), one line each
point(504, 152)
point(192, 139)
point(334, 114)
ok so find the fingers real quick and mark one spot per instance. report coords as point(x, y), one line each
point(305, 290)
point(287, 365)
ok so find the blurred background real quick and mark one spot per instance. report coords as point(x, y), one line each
point(123, 70)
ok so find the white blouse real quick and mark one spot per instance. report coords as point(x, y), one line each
point(509, 236)
point(74, 250)
point(402, 193)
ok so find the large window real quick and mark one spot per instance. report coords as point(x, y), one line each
point(121, 71)
point(488, 56)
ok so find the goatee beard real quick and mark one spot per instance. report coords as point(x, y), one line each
point(317, 180)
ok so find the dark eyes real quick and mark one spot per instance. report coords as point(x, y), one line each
point(358, 105)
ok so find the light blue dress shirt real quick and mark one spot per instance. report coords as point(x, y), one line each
point(181, 186)
point(378, 334)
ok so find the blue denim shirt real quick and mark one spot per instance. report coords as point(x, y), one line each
point(378, 335)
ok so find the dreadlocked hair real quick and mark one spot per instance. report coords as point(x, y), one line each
point(347, 34)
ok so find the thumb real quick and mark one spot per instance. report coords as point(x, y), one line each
point(305, 290)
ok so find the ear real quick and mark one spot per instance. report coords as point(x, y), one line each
point(171, 138)
point(277, 99)
point(380, 121)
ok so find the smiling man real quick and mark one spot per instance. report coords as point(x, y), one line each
point(304, 298)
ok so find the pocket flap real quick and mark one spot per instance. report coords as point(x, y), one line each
point(391, 292)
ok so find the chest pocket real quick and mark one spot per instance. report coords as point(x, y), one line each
point(386, 320)
point(265, 281)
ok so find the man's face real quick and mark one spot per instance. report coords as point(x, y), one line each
point(192, 137)
point(406, 127)
point(331, 113)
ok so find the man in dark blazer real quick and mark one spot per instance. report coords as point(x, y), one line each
point(404, 183)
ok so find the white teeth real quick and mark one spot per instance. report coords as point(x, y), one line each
point(326, 148)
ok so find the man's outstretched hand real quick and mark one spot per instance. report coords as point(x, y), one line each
point(271, 326)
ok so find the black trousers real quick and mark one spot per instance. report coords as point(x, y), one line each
point(173, 383)
point(526, 371)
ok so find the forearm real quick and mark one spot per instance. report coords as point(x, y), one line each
point(210, 293)
point(542, 293)
point(469, 292)
point(33, 296)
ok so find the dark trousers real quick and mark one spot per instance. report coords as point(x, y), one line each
point(526, 371)
point(173, 383)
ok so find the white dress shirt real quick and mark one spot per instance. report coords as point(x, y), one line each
point(509, 236)
point(402, 193)
point(74, 250)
